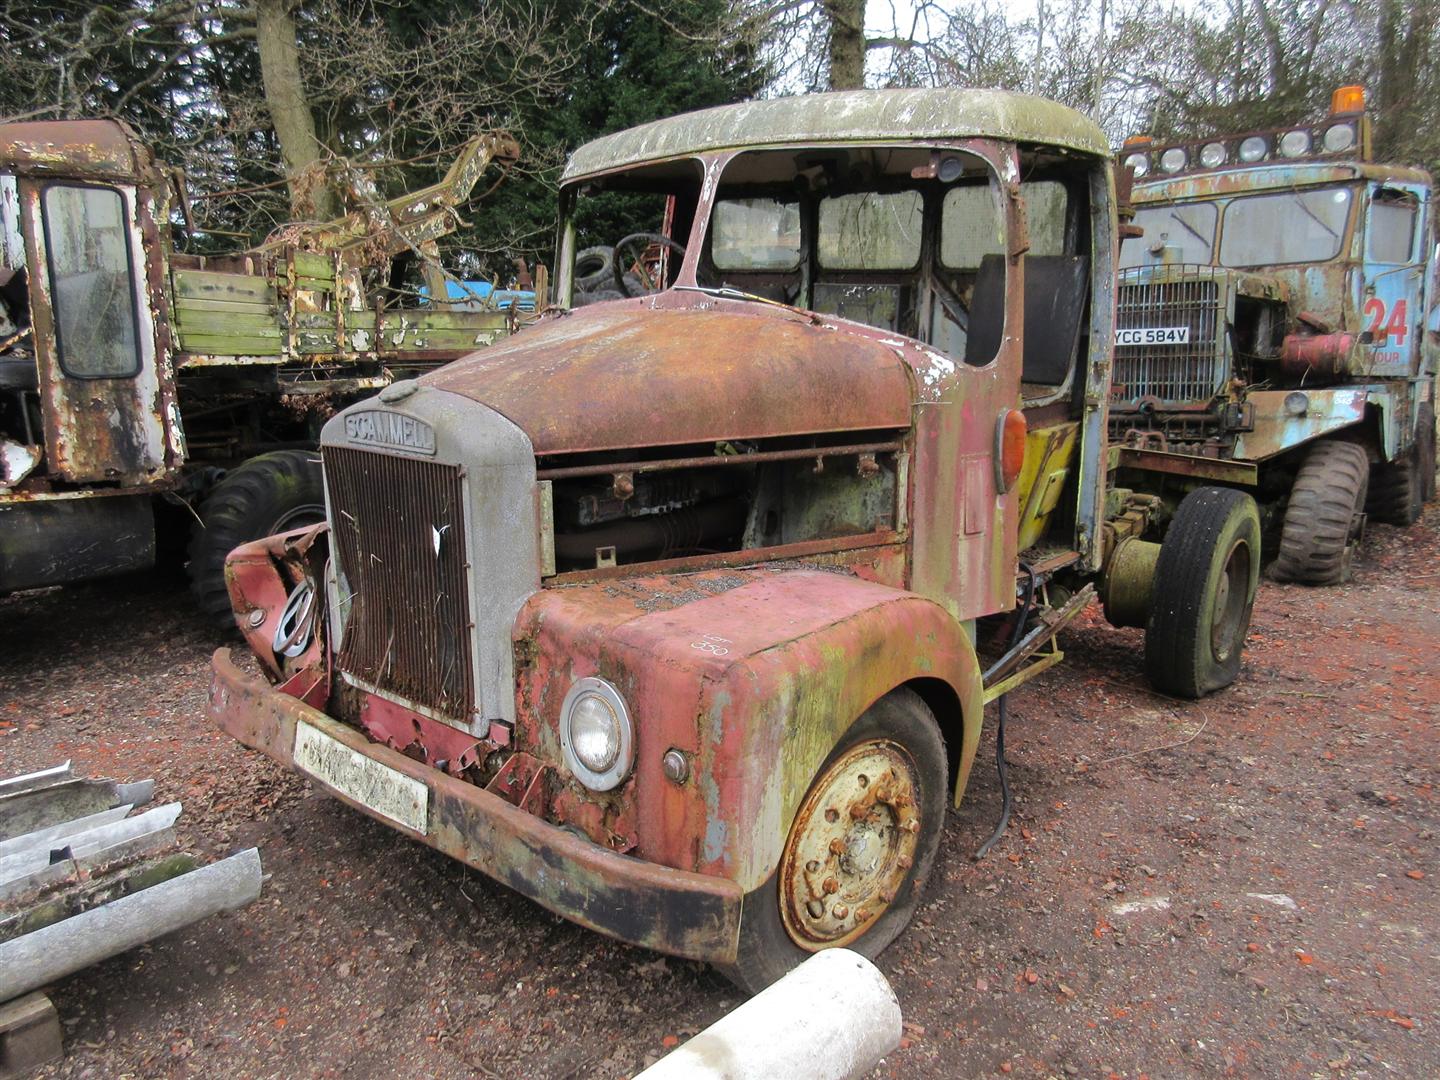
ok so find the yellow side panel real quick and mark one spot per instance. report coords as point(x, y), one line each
point(1049, 452)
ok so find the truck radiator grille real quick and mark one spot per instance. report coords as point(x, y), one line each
point(399, 533)
point(1175, 374)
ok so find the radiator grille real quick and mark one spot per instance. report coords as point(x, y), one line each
point(1188, 374)
point(399, 532)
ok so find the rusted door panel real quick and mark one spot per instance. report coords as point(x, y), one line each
point(102, 427)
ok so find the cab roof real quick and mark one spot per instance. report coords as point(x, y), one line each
point(82, 149)
point(845, 116)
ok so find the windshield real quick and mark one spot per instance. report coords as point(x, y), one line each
point(1286, 227)
point(1187, 228)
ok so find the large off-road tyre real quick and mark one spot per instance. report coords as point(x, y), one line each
point(1206, 578)
point(593, 268)
point(860, 892)
point(1400, 489)
point(269, 494)
point(1323, 520)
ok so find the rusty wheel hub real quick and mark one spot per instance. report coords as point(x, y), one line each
point(851, 847)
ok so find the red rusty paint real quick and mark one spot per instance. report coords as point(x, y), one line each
point(624, 375)
point(1322, 355)
point(775, 664)
point(684, 914)
point(430, 741)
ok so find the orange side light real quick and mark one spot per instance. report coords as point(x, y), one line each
point(1347, 99)
point(1010, 452)
point(1137, 140)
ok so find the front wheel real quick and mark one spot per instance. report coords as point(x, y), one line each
point(1205, 582)
point(859, 850)
point(269, 494)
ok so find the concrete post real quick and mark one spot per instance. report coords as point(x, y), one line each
point(832, 1018)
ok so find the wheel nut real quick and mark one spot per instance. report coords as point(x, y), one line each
point(913, 825)
point(841, 911)
point(837, 846)
point(886, 895)
point(863, 915)
point(857, 811)
point(831, 885)
point(812, 867)
point(815, 908)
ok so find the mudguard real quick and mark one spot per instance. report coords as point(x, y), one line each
point(754, 676)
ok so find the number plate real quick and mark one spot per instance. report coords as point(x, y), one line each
point(402, 799)
point(1154, 335)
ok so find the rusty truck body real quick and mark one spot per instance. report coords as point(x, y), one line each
point(1273, 318)
point(134, 376)
point(669, 613)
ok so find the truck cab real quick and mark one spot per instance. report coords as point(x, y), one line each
point(670, 612)
point(1274, 311)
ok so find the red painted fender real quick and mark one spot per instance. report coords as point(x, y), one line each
point(754, 675)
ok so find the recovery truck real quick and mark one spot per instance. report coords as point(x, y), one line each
point(138, 382)
point(669, 613)
point(1273, 319)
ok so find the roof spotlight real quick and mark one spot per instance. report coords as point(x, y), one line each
point(1295, 143)
point(1253, 149)
point(1212, 155)
point(1174, 159)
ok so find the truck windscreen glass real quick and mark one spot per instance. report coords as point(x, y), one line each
point(1179, 234)
point(92, 289)
point(755, 234)
point(1286, 227)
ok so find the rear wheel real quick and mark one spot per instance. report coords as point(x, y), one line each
point(1400, 489)
point(859, 850)
point(272, 493)
point(1325, 516)
point(1206, 577)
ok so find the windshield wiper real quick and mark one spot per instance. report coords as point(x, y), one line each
point(1314, 217)
point(1192, 231)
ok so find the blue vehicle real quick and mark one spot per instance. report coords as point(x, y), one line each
point(1274, 330)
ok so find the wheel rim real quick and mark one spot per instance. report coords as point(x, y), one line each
point(1227, 621)
point(298, 517)
point(851, 847)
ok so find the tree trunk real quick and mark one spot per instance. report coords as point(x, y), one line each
point(289, 107)
point(847, 43)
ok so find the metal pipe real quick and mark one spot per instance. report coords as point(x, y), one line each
point(32, 960)
point(709, 461)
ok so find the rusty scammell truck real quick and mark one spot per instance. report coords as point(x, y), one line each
point(669, 612)
point(139, 383)
point(1272, 324)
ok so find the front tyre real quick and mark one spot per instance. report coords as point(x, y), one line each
point(1205, 582)
point(269, 494)
point(860, 847)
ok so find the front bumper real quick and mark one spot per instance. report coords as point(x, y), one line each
point(671, 911)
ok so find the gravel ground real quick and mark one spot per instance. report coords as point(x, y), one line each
point(1240, 887)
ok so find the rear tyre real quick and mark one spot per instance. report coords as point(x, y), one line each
point(1205, 582)
point(852, 878)
point(1400, 489)
point(1325, 515)
point(269, 494)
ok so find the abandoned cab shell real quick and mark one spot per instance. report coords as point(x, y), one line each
point(661, 612)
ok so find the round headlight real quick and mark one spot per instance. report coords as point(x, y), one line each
point(1139, 162)
point(1252, 149)
point(1212, 155)
point(596, 736)
point(1173, 160)
point(1339, 138)
point(1295, 143)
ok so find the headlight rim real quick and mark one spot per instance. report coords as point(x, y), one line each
point(618, 772)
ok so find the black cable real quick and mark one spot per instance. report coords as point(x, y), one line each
point(1006, 802)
